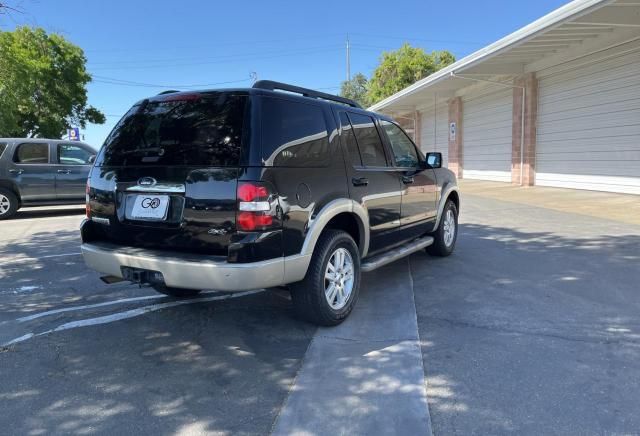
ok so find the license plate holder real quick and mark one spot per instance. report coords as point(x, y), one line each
point(150, 207)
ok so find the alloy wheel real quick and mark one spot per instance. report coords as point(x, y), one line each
point(5, 204)
point(339, 278)
point(449, 228)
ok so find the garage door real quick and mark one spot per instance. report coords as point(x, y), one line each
point(434, 131)
point(589, 123)
point(487, 125)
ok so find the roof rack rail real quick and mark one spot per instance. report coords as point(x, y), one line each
point(169, 91)
point(271, 85)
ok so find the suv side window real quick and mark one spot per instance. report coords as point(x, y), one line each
point(3, 146)
point(404, 151)
point(293, 134)
point(349, 140)
point(69, 154)
point(369, 143)
point(32, 153)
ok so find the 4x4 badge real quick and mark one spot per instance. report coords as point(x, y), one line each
point(147, 181)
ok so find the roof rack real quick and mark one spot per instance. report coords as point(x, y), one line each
point(169, 91)
point(271, 85)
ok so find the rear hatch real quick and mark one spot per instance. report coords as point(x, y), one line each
point(167, 174)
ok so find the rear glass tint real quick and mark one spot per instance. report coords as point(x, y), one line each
point(293, 134)
point(349, 139)
point(199, 130)
point(369, 142)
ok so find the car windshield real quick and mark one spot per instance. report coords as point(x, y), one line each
point(185, 129)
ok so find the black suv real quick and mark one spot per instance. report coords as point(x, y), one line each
point(243, 189)
point(41, 172)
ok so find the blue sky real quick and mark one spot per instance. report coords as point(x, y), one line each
point(175, 44)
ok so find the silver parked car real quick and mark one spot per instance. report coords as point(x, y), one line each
point(42, 172)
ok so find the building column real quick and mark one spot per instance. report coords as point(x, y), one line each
point(417, 131)
point(530, 84)
point(455, 141)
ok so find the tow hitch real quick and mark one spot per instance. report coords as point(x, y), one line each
point(142, 276)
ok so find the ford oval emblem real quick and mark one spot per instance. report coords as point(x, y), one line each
point(147, 181)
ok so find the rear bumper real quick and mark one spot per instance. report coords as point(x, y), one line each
point(196, 271)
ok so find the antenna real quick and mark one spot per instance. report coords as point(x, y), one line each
point(348, 59)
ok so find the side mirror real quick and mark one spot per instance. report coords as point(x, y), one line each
point(92, 158)
point(434, 159)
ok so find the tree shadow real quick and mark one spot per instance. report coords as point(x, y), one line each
point(222, 367)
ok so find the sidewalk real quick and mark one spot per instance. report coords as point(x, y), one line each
point(624, 208)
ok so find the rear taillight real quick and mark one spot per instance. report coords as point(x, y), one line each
point(86, 197)
point(257, 207)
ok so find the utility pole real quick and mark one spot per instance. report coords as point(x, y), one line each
point(253, 76)
point(348, 59)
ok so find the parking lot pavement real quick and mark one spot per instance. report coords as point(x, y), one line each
point(530, 327)
point(119, 359)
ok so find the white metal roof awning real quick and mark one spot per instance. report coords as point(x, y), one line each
point(579, 25)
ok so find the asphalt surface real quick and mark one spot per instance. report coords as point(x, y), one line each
point(531, 327)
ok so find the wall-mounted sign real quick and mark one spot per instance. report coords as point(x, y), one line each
point(452, 131)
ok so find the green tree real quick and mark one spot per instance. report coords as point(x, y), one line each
point(43, 82)
point(403, 67)
point(356, 89)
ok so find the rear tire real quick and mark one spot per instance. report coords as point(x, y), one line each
point(445, 236)
point(8, 204)
point(177, 292)
point(330, 289)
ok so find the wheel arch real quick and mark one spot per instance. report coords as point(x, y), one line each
point(344, 214)
point(11, 186)
point(449, 191)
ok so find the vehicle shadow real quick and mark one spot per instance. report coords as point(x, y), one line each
point(531, 332)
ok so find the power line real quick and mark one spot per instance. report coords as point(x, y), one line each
point(115, 81)
point(408, 38)
point(172, 64)
point(252, 43)
point(213, 58)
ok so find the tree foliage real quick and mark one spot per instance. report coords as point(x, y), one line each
point(43, 82)
point(356, 89)
point(403, 67)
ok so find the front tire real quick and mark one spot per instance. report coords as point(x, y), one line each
point(446, 234)
point(8, 203)
point(177, 292)
point(330, 289)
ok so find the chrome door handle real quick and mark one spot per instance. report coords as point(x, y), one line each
point(16, 171)
point(360, 181)
point(407, 180)
point(64, 171)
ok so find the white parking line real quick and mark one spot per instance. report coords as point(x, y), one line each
point(31, 259)
point(127, 314)
point(90, 306)
point(59, 255)
point(86, 306)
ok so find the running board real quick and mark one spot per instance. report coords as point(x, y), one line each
point(379, 260)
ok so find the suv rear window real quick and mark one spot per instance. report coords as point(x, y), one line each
point(32, 153)
point(293, 134)
point(2, 147)
point(192, 129)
